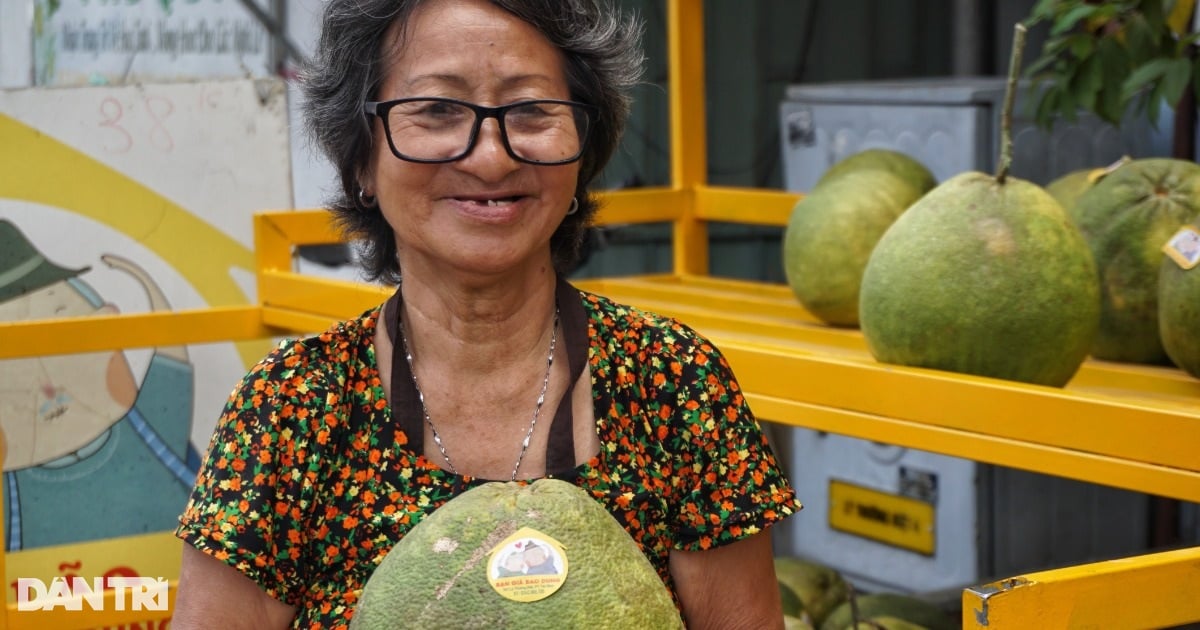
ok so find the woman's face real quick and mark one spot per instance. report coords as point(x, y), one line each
point(486, 213)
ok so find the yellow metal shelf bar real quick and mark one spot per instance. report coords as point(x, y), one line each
point(309, 226)
point(1088, 422)
point(131, 330)
point(1156, 590)
point(755, 206)
point(333, 300)
point(756, 310)
point(687, 121)
point(988, 449)
point(640, 205)
point(300, 322)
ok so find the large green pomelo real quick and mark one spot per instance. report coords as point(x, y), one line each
point(819, 587)
point(436, 576)
point(887, 622)
point(877, 605)
point(1179, 313)
point(791, 603)
point(830, 235)
point(900, 164)
point(983, 278)
point(1067, 189)
point(1126, 218)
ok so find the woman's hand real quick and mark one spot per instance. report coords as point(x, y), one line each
point(729, 587)
point(213, 594)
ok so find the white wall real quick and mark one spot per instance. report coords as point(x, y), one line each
point(313, 179)
point(16, 45)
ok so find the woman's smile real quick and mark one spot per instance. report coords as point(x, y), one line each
point(499, 208)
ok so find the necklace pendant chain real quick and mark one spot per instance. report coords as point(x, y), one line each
point(437, 438)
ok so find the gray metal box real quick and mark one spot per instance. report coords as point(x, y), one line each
point(988, 521)
point(950, 125)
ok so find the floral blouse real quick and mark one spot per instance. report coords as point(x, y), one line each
point(310, 478)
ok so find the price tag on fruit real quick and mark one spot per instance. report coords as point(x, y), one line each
point(1184, 247)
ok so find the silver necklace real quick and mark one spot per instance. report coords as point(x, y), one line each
point(437, 439)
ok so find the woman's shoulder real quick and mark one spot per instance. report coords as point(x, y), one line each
point(619, 323)
point(346, 346)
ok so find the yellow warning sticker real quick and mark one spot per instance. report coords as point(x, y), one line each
point(891, 519)
point(527, 566)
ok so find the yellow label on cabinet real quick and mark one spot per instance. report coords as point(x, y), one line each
point(887, 518)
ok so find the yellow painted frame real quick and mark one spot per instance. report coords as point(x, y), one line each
point(1158, 590)
point(794, 370)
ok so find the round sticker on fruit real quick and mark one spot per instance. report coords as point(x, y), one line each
point(527, 566)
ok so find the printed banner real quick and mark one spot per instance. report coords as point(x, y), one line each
point(82, 42)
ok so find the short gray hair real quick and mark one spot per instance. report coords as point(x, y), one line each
point(604, 61)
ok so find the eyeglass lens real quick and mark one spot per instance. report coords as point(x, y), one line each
point(537, 131)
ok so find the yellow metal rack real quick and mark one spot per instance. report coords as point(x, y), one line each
point(1127, 426)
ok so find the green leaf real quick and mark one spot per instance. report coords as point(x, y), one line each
point(1088, 83)
point(1048, 108)
point(1141, 40)
point(1153, 12)
point(1150, 105)
point(1082, 46)
point(1110, 106)
point(1072, 17)
point(1039, 65)
point(1043, 10)
point(1175, 80)
point(1056, 45)
point(1145, 75)
point(1068, 105)
point(1184, 43)
point(1116, 62)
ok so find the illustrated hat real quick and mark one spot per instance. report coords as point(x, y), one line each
point(23, 268)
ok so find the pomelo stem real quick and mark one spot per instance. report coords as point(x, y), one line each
point(1010, 96)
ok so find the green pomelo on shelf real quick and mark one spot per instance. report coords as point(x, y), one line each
point(820, 588)
point(900, 164)
point(879, 606)
point(437, 575)
point(790, 602)
point(1125, 219)
point(1067, 189)
point(887, 622)
point(1179, 312)
point(831, 233)
point(983, 277)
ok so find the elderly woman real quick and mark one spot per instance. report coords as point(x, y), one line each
point(465, 133)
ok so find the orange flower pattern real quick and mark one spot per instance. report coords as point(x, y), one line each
point(308, 481)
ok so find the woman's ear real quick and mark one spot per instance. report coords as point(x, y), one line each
point(366, 189)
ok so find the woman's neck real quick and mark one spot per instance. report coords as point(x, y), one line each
point(477, 326)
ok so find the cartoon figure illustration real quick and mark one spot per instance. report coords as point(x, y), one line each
point(512, 565)
point(538, 560)
point(90, 454)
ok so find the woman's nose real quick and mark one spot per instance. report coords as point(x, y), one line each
point(488, 158)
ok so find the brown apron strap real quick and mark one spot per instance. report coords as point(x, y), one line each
point(405, 401)
point(560, 452)
point(406, 404)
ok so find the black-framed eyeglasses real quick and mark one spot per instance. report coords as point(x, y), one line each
point(436, 130)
